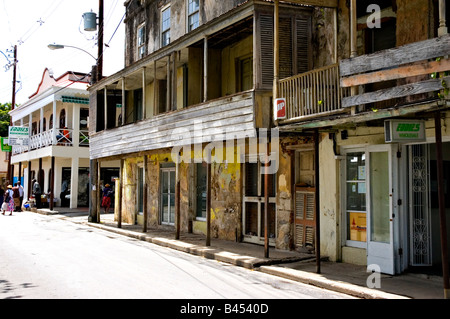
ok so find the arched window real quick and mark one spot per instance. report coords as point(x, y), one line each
point(50, 124)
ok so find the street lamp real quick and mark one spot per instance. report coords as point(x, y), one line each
point(61, 46)
point(94, 73)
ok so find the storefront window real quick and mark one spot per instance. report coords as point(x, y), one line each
point(356, 197)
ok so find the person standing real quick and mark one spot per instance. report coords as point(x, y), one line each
point(37, 193)
point(21, 192)
point(16, 198)
point(106, 201)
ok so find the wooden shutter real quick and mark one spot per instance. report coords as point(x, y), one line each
point(286, 48)
point(305, 211)
point(266, 29)
point(303, 41)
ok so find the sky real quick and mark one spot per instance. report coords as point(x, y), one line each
point(34, 24)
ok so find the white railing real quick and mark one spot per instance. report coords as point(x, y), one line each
point(53, 137)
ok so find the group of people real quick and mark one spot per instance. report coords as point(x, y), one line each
point(12, 199)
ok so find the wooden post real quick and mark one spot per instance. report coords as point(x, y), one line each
point(353, 44)
point(208, 200)
point(205, 69)
point(442, 19)
point(52, 184)
point(441, 200)
point(177, 198)
point(317, 197)
point(99, 191)
point(119, 209)
point(145, 197)
point(276, 48)
point(266, 202)
point(93, 190)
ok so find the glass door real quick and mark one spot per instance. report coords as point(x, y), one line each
point(167, 213)
point(380, 248)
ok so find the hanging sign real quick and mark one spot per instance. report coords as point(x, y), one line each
point(280, 109)
point(18, 136)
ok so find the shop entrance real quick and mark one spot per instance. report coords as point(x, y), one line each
point(423, 208)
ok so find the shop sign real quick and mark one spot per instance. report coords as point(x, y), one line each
point(18, 136)
point(280, 109)
point(404, 131)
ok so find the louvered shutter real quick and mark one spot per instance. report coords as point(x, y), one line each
point(303, 39)
point(305, 211)
point(295, 41)
point(286, 48)
point(266, 29)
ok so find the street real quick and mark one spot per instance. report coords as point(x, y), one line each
point(48, 257)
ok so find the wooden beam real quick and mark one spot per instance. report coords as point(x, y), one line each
point(398, 73)
point(316, 3)
point(395, 92)
point(394, 57)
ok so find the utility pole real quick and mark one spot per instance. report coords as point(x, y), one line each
point(13, 103)
point(100, 39)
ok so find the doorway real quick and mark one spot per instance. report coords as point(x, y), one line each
point(167, 207)
point(254, 206)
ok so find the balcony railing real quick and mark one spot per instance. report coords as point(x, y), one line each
point(53, 137)
point(312, 94)
point(413, 68)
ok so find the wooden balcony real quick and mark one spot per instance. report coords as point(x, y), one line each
point(415, 72)
point(312, 95)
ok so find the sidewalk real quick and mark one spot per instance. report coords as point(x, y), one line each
point(345, 278)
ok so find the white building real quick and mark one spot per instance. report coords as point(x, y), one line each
point(57, 116)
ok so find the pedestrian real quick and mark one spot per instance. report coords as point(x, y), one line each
point(8, 201)
point(21, 192)
point(106, 200)
point(2, 196)
point(37, 193)
point(16, 198)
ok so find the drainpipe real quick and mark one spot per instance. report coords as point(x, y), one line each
point(441, 200)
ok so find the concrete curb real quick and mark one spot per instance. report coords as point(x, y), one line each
point(256, 264)
point(321, 282)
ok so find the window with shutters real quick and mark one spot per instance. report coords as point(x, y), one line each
point(295, 50)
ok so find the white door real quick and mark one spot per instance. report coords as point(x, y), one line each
point(380, 241)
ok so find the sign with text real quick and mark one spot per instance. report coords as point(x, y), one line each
point(404, 131)
point(280, 109)
point(18, 136)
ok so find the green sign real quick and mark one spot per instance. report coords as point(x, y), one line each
point(5, 146)
point(405, 131)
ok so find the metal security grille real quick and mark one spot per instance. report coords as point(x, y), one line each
point(419, 206)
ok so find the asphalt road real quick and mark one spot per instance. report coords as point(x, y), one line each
point(47, 257)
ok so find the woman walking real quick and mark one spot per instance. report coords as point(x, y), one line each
point(8, 203)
